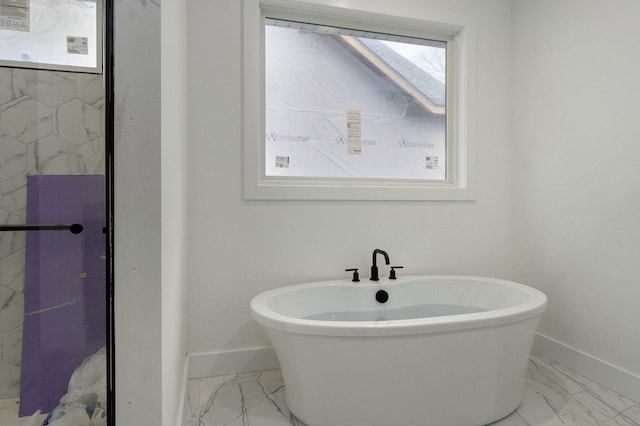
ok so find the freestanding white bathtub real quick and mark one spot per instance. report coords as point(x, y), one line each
point(443, 350)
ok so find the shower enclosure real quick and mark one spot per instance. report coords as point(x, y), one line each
point(55, 138)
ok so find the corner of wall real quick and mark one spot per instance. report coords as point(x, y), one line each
point(615, 378)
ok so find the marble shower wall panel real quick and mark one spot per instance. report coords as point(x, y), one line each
point(51, 123)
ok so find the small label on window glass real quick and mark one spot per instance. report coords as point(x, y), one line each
point(431, 162)
point(354, 132)
point(77, 45)
point(282, 162)
point(14, 15)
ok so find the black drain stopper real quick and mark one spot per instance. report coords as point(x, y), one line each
point(382, 296)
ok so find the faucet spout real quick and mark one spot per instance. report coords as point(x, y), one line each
point(374, 266)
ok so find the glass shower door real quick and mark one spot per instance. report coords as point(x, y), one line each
point(53, 263)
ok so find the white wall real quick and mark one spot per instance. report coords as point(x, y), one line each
point(239, 248)
point(576, 156)
point(173, 205)
point(150, 203)
point(137, 214)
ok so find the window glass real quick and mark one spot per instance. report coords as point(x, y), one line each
point(51, 34)
point(343, 103)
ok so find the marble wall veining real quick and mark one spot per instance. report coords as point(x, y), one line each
point(51, 123)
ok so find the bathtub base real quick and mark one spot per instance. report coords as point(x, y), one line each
point(469, 377)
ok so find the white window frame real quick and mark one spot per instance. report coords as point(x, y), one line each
point(457, 30)
point(56, 66)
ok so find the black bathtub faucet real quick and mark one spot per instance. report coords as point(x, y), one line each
point(374, 267)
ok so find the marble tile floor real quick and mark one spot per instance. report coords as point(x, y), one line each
point(9, 414)
point(554, 396)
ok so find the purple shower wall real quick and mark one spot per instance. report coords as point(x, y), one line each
point(65, 308)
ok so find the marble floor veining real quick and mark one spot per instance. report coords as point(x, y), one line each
point(554, 396)
point(9, 414)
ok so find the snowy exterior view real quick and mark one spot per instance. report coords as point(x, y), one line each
point(50, 34)
point(340, 106)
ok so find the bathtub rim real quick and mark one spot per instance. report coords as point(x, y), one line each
point(535, 305)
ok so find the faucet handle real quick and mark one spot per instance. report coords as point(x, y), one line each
point(392, 274)
point(356, 276)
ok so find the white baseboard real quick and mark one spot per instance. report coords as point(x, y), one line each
point(240, 361)
point(615, 378)
point(183, 394)
point(258, 359)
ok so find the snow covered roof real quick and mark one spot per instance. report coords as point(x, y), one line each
point(425, 88)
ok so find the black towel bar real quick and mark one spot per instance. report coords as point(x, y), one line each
point(74, 228)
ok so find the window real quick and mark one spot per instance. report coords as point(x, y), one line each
point(47, 34)
point(341, 103)
point(374, 107)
